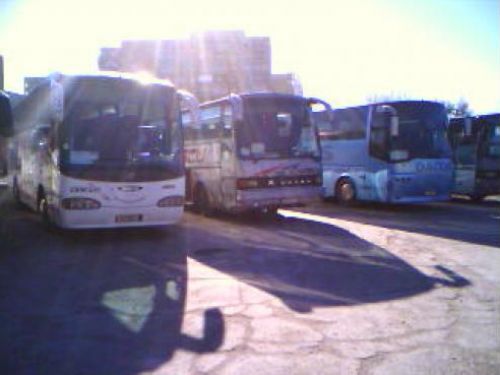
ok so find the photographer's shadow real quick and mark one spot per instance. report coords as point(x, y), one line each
point(109, 302)
point(308, 264)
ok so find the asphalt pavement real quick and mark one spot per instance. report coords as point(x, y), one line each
point(369, 289)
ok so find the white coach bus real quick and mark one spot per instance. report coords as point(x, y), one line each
point(252, 152)
point(100, 150)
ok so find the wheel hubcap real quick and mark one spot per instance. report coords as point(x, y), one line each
point(346, 192)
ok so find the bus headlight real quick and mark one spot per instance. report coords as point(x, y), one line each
point(80, 204)
point(171, 201)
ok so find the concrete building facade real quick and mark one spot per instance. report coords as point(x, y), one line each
point(209, 64)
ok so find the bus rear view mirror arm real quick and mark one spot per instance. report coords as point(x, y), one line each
point(315, 101)
point(237, 105)
point(6, 119)
point(394, 119)
point(189, 102)
point(56, 98)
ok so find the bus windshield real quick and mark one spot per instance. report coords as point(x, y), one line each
point(422, 132)
point(491, 140)
point(117, 124)
point(276, 127)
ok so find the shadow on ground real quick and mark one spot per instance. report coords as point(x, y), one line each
point(308, 264)
point(459, 220)
point(94, 302)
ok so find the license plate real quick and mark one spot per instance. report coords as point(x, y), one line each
point(128, 218)
point(430, 192)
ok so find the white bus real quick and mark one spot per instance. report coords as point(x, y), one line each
point(101, 150)
point(252, 152)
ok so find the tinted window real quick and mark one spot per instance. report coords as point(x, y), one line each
point(276, 127)
point(347, 123)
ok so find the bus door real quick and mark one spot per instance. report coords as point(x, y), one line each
point(465, 158)
point(31, 166)
point(379, 168)
point(209, 152)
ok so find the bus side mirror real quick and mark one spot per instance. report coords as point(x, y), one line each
point(318, 105)
point(468, 126)
point(189, 103)
point(6, 120)
point(391, 114)
point(56, 101)
point(236, 103)
point(394, 126)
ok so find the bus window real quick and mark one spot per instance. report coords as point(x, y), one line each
point(379, 137)
point(211, 122)
point(227, 120)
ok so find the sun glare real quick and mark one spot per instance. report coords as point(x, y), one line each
point(342, 51)
point(145, 77)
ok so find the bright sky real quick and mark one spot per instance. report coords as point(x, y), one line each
point(343, 51)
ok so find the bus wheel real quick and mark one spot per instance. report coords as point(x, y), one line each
point(202, 202)
point(43, 211)
point(270, 211)
point(16, 193)
point(345, 192)
point(476, 197)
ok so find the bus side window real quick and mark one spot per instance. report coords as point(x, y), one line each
point(378, 137)
point(349, 124)
point(34, 110)
point(378, 142)
point(40, 138)
point(190, 127)
point(211, 122)
point(357, 120)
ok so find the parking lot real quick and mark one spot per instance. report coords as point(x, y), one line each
point(369, 289)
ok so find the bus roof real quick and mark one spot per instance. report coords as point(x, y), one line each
point(394, 102)
point(263, 95)
point(145, 79)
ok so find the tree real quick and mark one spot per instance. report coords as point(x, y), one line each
point(392, 97)
point(458, 109)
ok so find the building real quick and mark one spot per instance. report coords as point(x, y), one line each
point(209, 64)
point(287, 83)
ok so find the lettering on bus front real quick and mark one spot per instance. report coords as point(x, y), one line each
point(432, 166)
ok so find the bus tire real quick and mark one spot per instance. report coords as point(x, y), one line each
point(271, 211)
point(477, 197)
point(16, 194)
point(202, 201)
point(345, 191)
point(43, 210)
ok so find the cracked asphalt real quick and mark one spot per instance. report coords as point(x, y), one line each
point(368, 289)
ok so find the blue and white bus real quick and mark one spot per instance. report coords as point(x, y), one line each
point(475, 142)
point(394, 152)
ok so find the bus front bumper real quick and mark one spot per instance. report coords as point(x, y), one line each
point(276, 197)
point(114, 217)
